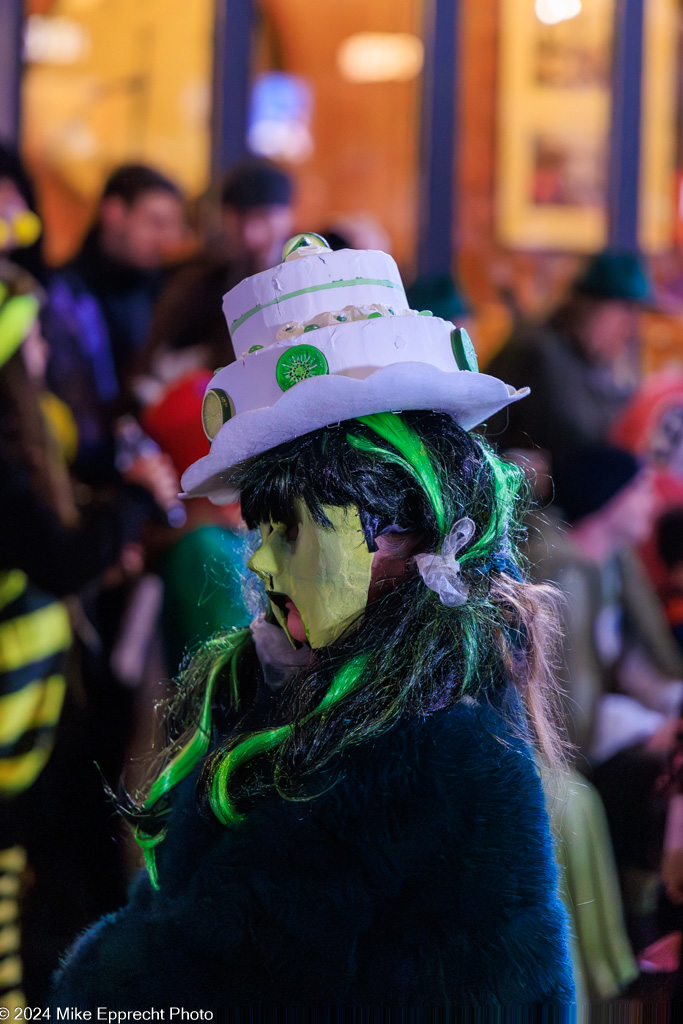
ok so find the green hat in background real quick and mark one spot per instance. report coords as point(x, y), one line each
point(439, 293)
point(616, 275)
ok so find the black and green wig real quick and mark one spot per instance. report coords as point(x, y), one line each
point(409, 655)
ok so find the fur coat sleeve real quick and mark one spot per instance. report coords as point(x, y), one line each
point(424, 877)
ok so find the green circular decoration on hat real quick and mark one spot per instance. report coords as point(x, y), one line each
point(298, 363)
point(425, 312)
point(218, 370)
point(254, 348)
point(217, 409)
point(373, 316)
point(311, 327)
point(463, 350)
point(303, 241)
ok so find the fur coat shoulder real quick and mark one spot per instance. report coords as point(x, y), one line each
point(424, 876)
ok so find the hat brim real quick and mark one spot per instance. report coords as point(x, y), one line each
point(470, 398)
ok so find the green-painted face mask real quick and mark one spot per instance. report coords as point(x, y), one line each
point(317, 579)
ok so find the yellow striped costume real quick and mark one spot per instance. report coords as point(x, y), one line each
point(34, 636)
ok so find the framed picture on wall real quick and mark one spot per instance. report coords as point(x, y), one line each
point(553, 126)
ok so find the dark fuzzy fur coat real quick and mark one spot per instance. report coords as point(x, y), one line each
point(423, 878)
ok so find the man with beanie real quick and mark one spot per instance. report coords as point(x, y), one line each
point(189, 330)
point(582, 363)
point(256, 212)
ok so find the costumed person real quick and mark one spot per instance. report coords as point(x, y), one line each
point(46, 553)
point(350, 809)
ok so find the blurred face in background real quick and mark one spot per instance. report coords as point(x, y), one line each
point(608, 327)
point(628, 518)
point(259, 233)
point(144, 233)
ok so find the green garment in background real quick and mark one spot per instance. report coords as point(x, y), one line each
point(202, 576)
point(604, 964)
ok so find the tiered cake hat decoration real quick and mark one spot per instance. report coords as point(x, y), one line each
point(327, 336)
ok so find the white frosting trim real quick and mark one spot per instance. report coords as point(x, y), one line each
point(349, 314)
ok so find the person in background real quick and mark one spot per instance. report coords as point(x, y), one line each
point(101, 303)
point(651, 427)
point(47, 551)
point(670, 545)
point(356, 231)
point(189, 339)
point(582, 363)
point(188, 330)
point(256, 212)
point(621, 670)
point(202, 566)
point(440, 294)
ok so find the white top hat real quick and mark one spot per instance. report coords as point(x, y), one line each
point(328, 336)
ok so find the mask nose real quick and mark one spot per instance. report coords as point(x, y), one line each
point(264, 562)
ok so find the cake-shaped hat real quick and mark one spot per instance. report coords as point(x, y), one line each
point(328, 336)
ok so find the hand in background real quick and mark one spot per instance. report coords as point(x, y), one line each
point(130, 565)
point(156, 473)
point(663, 739)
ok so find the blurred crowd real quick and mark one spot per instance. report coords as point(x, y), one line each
point(108, 579)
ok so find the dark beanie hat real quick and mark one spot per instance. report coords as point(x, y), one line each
point(439, 293)
point(587, 478)
point(255, 182)
point(616, 275)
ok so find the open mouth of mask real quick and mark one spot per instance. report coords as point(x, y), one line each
point(317, 578)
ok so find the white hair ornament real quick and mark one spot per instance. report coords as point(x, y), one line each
point(441, 572)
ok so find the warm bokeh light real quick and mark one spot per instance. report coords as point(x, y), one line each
point(105, 82)
point(552, 12)
point(55, 40)
point(380, 57)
